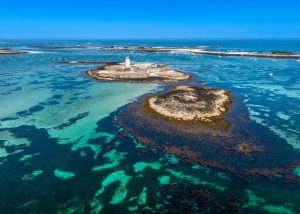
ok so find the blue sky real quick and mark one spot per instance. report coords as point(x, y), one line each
point(149, 19)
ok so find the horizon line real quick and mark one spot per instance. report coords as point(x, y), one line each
point(155, 38)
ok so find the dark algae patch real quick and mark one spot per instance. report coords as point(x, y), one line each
point(33, 109)
point(72, 120)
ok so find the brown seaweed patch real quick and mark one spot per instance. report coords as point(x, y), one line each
point(286, 172)
point(184, 152)
point(190, 198)
point(187, 200)
point(248, 148)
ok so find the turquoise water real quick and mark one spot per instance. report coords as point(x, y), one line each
point(51, 165)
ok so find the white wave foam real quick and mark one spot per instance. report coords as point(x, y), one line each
point(35, 52)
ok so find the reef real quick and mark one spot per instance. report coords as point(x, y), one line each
point(10, 51)
point(138, 72)
point(234, 146)
point(191, 104)
point(203, 50)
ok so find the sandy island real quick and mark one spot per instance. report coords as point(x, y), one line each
point(10, 51)
point(141, 72)
point(191, 104)
point(203, 50)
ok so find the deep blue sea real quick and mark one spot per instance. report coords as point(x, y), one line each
point(61, 152)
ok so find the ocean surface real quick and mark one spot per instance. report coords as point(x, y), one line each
point(62, 152)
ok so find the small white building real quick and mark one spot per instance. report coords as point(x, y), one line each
point(127, 62)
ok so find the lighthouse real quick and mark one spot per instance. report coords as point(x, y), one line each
point(127, 62)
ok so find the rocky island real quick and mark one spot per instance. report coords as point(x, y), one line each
point(140, 72)
point(10, 51)
point(191, 104)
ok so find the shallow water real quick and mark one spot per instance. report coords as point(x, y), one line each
point(60, 149)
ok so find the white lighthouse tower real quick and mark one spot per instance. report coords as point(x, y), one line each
point(127, 62)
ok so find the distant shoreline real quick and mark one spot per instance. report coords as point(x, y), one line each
point(202, 50)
